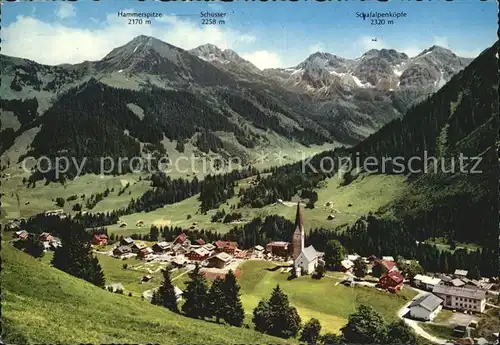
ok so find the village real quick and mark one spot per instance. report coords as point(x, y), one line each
point(465, 298)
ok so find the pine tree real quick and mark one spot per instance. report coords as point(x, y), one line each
point(74, 256)
point(310, 332)
point(195, 295)
point(276, 316)
point(97, 275)
point(261, 317)
point(216, 301)
point(234, 314)
point(165, 294)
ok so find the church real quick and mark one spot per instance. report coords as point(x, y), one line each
point(305, 260)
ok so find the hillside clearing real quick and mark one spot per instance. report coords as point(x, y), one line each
point(44, 305)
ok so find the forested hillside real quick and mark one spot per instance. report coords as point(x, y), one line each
point(461, 118)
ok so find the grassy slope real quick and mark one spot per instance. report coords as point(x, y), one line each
point(44, 305)
point(366, 193)
point(320, 299)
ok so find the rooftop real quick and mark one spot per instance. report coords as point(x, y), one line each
point(278, 244)
point(427, 279)
point(429, 302)
point(459, 291)
point(223, 256)
point(459, 272)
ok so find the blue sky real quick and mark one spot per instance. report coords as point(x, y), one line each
point(272, 34)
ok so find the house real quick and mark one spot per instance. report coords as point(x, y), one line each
point(460, 273)
point(200, 242)
point(241, 254)
point(226, 247)
point(445, 279)
point(381, 267)
point(179, 261)
point(278, 248)
point(123, 225)
point(146, 278)
point(161, 247)
point(22, 234)
point(138, 246)
point(353, 257)
point(258, 251)
point(347, 265)
point(198, 254)
point(461, 298)
point(99, 240)
point(139, 223)
point(456, 282)
point(479, 284)
point(392, 281)
point(220, 260)
point(127, 241)
point(425, 307)
point(145, 252)
point(388, 258)
point(55, 243)
point(307, 261)
point(181, 239)
point(120, 251)
point(12, 225)
point(178, 249)
point(425, 282)
point(209, 246)
point(46, 237)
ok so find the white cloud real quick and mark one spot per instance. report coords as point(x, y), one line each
point(28, 37)
point(317, 47)
point(263, 59)
point(366, 43)
point(65, 10)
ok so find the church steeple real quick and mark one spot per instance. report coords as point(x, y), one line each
point(298, 235)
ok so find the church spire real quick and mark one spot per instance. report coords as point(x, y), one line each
point(298, 217)
point(298, 235)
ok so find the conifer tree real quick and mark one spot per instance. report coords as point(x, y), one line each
point(195, 295)
point(75, 254)
point(310, 332)
point(276, 316)
point(234, 314)
point(216, 302)
point(165, 294)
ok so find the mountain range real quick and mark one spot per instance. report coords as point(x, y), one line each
point(148, 91)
